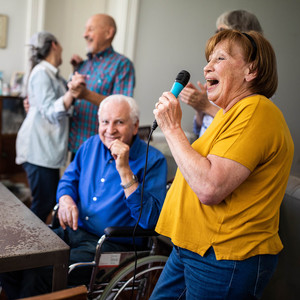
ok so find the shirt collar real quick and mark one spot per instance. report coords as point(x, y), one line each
point(50, 67)
point(103, 53)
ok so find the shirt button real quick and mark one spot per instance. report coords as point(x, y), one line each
point(95, 198)
point(87, 218)
point(102, 180)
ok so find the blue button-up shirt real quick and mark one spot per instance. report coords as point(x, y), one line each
point(107, 73)
point(93, 182)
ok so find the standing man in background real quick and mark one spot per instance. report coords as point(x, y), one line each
point(105, 72)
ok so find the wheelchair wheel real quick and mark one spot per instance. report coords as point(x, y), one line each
point(148, 270)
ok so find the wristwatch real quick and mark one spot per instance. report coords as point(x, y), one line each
point(130, 183)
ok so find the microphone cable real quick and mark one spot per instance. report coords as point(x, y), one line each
point(154, 126)
point(181, 81)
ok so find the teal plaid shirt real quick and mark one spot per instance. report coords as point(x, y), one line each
point(108, 73)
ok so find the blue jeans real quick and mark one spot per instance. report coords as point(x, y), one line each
point(187, 275)
point(43, 185)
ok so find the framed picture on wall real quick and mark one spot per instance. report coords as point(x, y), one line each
point(3, 30)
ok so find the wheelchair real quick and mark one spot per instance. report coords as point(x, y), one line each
point(124, 275)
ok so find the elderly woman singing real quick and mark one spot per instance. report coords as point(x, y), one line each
point(222, 211)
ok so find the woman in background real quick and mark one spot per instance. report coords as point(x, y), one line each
point(241, 20)
point(41, 145)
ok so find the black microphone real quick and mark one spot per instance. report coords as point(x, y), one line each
point(181, 81)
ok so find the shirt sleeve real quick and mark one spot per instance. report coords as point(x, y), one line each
point(125, 79)
point(249, 135)
point(153, 195)
point(45, 97)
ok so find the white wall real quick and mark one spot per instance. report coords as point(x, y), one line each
point(12, 57)
point(68, 25)
point(170, 36)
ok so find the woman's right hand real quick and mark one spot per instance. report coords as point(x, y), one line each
point(77, 86)
point(168, 113)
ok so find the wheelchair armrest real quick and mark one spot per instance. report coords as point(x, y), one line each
point(127, 231)
point(54, 221)
point(80, 265)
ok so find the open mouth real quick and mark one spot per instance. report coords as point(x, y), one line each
point(212, 82)
point(88, 40)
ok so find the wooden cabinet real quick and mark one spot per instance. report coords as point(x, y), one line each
point(12, 115)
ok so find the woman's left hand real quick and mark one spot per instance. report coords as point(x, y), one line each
point(168, 112)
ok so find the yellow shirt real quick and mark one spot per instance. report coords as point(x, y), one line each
point(254, 133)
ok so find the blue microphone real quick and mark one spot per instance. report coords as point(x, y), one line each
point(181, 81)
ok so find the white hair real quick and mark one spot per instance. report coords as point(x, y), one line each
point(134, 109)
point(222, 19)
point(241, 20)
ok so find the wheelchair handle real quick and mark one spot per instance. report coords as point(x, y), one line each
point(116, 231)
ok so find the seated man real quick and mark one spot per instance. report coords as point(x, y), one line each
point(102, 187)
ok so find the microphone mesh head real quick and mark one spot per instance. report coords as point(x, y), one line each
point(183, 77)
